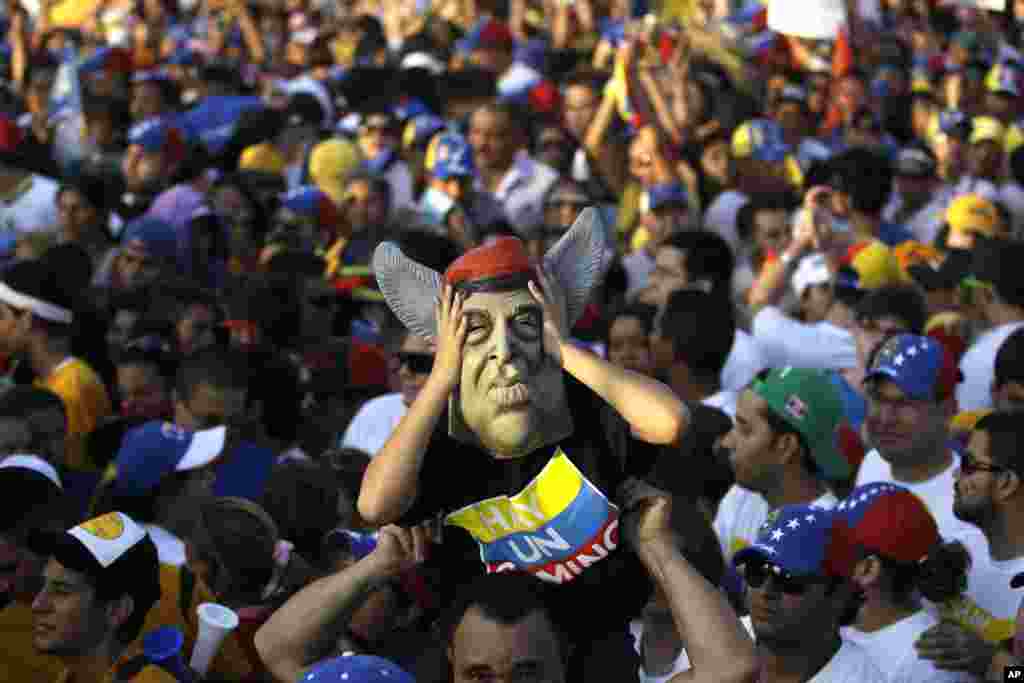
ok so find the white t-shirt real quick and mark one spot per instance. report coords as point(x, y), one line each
point(35, 210)
point(978, 368)
point(741, 514)
point(373, 424)
point(636, 627)
point(744, 362)
point(936, 494)
point(989, 606)
point(892, 650)
point(785, 341)
point(849, 665)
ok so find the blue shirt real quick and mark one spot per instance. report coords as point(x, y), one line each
point(893, 234)
point(244, 473)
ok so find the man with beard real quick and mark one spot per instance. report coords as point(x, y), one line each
point(782, 449)
point(540, 433)
point(989, 495)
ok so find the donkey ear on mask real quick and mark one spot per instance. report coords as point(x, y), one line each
point(578, 263)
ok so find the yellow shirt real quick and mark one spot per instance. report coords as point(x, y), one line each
point(85, 401)
point(19, 660)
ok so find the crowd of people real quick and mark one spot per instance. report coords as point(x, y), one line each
point(532, 340)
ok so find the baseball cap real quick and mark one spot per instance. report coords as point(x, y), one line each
point(971, 213)
point(915, 162)
point(113, 550)
point(810, 403)
point(156, 135)
point(421, 129)
point(987, 129)
point(152, 237)
point(311, 202)
point(760, 139)
point(331, 162)
point(663, 195)
point(812, 270)
point(264, 158)
point(875, 264)
point(452, 157)
point(352, 668)
point(889, 520)
point(1003, 79)
point(920, 366)
point(799, 539)
point(156, 449)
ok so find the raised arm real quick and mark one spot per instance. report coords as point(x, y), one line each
point(654, 413)
point(284, 642)
point(719, 648)
point(391, 481)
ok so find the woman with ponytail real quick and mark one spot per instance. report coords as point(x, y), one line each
point(237, 551)
point(898, 557)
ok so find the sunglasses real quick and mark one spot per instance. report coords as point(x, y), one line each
point(418, 363)
point(757, 573)
point(969, 464)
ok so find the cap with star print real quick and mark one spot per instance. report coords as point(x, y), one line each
point(799, 539)
point(921, 367)
point(889, 520)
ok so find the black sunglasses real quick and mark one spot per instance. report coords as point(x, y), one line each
point(418, 363)
point(757, 573)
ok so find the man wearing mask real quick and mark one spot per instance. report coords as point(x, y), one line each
point(513, 387)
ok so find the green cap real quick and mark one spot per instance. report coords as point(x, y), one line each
point(810, 403)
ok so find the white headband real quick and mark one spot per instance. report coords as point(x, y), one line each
point(44, 310)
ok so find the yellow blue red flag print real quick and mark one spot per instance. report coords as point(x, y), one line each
point(556, 527)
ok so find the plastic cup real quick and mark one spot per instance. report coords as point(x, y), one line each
point(162, 647)
point(215, 623)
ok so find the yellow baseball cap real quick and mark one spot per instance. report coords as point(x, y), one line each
point(987, 128)
point(263, 157)
point(876, 265)
point(972, 213)
point(330, 164)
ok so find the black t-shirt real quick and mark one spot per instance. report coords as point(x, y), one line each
point(551, 513)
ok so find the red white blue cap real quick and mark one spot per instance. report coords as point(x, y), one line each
point(157, 449)
point(798, 539)
point(311, 202)
point(921, 367)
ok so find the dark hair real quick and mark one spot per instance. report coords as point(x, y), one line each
point(222, 369)
point(378, 184)
point(146, 357)
point(904, 302)
point(507, 598)
point(433, 251)
point(645, 313)
point(939, 576)
point(866, 176)
point(303, 499)
point(762, 201)
point(1006, 435)
point(702, 329)
point(23, 402)
point(708, 257)
point(1009, 365)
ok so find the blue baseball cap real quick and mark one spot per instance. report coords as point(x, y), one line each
point(798, 539)
point(453, 158)
point(666, 194)
point(955, 124)
point(921, 367)
point(154, 134)
point(352, 668)
point(157, 449)
point(760, 139)
point(152, 236)
point(311, 202)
